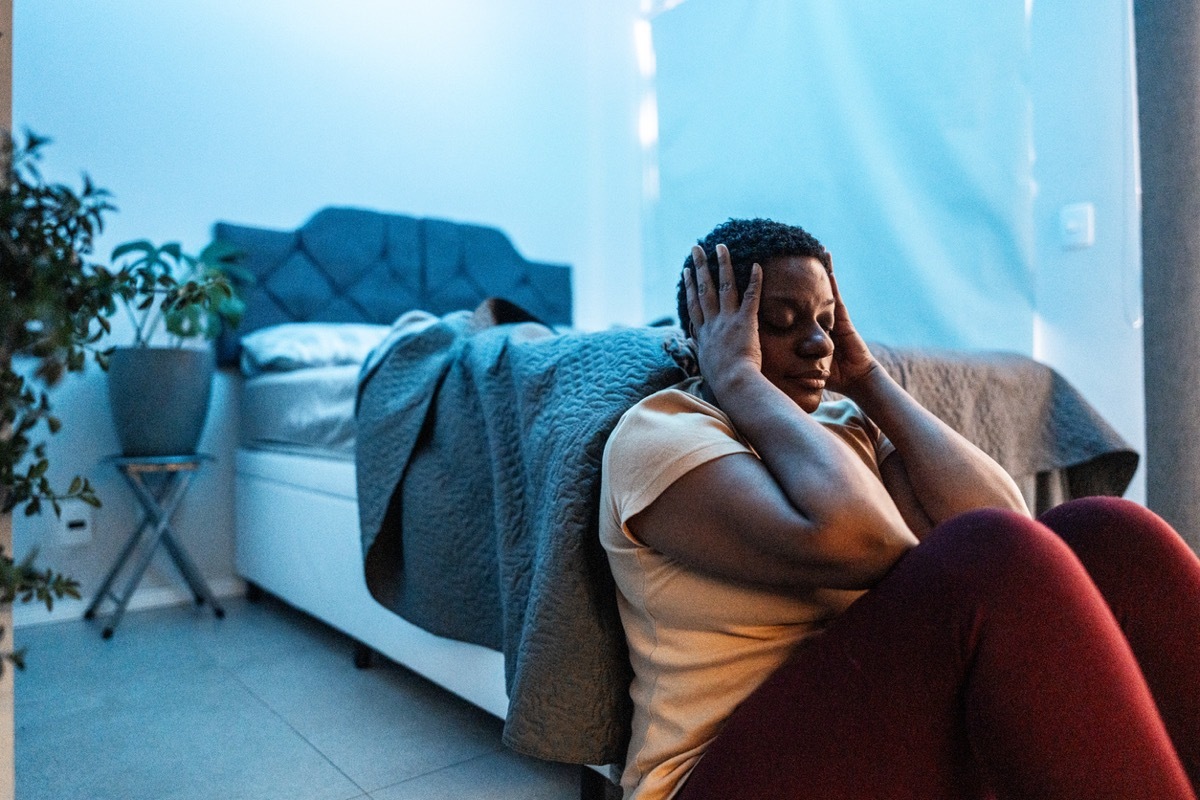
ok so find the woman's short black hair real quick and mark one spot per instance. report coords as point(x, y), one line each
point(751, 241)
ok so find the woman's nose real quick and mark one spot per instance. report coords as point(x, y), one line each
point(816, 343)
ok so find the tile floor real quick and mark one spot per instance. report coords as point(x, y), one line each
point(263, 705)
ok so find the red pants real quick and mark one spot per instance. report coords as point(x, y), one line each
point(991, 661)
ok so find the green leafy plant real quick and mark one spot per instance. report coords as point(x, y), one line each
point(188, 296)
point(26, 583)
point(53, 304)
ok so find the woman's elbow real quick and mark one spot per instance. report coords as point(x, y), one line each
point(864, 551)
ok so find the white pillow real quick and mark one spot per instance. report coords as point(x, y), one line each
point(301, 345)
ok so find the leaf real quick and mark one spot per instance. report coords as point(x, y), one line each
point(141, 245)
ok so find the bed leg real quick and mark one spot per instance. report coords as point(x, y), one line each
point(594, 786)
point(364, 656)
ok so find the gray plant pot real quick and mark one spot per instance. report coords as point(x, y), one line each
point(159, 398)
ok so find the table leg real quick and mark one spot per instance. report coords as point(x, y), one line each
point(158, 511)
point(112, 573)
point(135, 578)
point(153, 505)
point(191, 574)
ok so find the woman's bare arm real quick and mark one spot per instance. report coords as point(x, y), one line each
point(944, 472)
point(809, 513)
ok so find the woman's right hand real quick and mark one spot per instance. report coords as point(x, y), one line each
point(724, 328)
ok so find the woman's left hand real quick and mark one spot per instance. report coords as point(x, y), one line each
point(852, 359)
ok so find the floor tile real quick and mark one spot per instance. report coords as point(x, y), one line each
point(380, 725)
point(205, 738)
point(264, 630)
point(263, 704)
point(499, 776)
point(147, 646)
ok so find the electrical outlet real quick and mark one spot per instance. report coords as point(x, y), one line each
point(75, 525)
point(1077, 226)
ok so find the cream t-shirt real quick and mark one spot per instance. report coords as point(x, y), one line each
point(699, 645)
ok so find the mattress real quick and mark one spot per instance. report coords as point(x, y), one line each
point(306, 411)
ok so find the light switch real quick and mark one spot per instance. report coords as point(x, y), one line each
point(75, 524)
point(1077, 226)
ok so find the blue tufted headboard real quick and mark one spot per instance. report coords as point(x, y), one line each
point(354, 265)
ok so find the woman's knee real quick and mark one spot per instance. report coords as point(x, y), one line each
point(1122, 530)
point(1122, 523)
point(992, 536)
point(1122, 543)
point(995, 547)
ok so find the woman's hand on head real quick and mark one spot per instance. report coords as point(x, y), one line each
point(724, 328)
point(852, 359)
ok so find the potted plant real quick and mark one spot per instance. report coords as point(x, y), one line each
point(160, 390)
point(52, 306)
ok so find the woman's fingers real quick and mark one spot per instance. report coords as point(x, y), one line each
point(705, 295)
point(753, 291)
point(841, 317)
point(693, 307)
point(727, 289)
point(704, 301)
point(692, 278)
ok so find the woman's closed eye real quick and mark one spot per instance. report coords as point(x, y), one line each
point(782, 321)
point(778, 318)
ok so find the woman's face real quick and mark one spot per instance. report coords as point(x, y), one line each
point(795, 317)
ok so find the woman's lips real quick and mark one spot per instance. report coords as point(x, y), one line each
point(814, 380)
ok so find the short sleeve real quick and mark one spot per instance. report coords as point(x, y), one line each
point(883, 445)
point(658, 441)
point(844, 419)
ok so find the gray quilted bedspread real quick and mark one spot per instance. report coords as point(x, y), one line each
point(1023, 414)
point(478, 464)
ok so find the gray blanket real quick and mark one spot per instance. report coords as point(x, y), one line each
point(478, 466)
point(1021, 413)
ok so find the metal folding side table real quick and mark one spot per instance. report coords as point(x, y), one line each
point(159, 482)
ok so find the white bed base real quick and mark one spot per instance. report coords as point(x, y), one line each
point(298, 539)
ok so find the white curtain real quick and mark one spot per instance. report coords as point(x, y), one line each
point(897, 133)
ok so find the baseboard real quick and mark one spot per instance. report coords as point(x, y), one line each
point(144, 597)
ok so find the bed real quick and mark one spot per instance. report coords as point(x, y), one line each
point(295, 498)
point(421, 435)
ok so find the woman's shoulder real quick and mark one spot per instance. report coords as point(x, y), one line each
point(674, 406)
point(671, 417)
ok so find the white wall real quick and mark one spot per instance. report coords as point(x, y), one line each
point(520, 115)
point(1089, 300)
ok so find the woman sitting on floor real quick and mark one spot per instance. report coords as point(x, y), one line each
point(847, 599)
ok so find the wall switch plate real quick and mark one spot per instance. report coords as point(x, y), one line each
point(1077, 226)
point(75, 525)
